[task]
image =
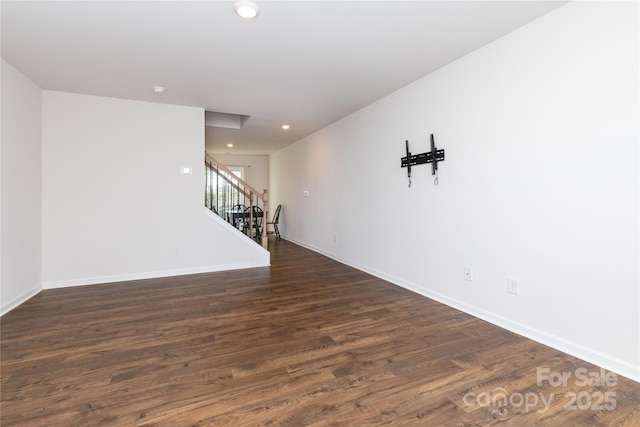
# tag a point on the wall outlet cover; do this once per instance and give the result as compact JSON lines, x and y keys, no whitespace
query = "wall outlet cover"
{"x":513,"y":286}
{"x":468,"y":273}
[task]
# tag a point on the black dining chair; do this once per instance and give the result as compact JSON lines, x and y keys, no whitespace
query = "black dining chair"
{"x":258,"y":215}
{"x":236,"y":216}
{"x":274,"y":223}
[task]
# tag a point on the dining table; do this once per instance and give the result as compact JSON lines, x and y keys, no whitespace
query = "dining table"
{"x":238,"y":218}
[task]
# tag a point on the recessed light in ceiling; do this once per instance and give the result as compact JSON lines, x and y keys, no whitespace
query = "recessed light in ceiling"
{"x":229,"y":145}
{"x":246,"y":9}
{"x":286,"y":127}
{"x":158,"y":89}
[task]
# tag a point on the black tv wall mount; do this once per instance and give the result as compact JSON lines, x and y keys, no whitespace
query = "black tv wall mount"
{"x":434,"y":156}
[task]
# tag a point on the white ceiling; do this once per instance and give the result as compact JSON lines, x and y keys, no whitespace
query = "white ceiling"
{"x":305,"y":63}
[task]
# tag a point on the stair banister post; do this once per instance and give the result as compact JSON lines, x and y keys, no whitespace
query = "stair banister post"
{"x":251,"y":215}
{"x":265,"y":204}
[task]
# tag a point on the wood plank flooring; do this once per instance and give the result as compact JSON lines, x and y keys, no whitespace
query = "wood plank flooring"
{"x":306,"y":342}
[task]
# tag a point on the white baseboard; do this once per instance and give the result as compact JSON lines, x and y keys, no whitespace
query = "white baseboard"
{"x":262,"y":259}
{"x":148,"y":275}
{"x":17,"y":301}
{"x":587,"y":354}
{"x":608,"y":362}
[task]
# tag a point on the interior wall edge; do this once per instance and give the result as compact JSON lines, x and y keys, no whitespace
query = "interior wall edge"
{"x":5,"y":308}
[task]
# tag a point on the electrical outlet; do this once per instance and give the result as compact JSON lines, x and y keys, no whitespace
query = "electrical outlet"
{"x":468,"y":273}
{"x":335,"y":238}
{"x":513,"y":286}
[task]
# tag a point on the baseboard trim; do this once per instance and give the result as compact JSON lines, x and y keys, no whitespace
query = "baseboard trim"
{"x":262,"y":259}
{"x":148,"y":275}
{"x":587,"y":354}
{"x":17,"y":301}
{"x":613,"y":364}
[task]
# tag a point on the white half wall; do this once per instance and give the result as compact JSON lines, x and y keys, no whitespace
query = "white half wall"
{"x":21,"y":193}
{"x":115,"y":203}
{"x":540,"y":183}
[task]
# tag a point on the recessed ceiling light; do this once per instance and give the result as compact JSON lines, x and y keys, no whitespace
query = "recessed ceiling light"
{"x":285,"y":127}
{"x":229,"y":145}
{"x":246,"y":9}
{"x":158,"y":89}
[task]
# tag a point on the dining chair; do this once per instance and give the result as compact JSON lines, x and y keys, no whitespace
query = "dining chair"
{"x":236,"y":216}
{"x":274,"y":223}
{"x":248,"y":229}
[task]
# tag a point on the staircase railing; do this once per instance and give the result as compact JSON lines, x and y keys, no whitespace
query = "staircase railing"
{"x":226,"y":194}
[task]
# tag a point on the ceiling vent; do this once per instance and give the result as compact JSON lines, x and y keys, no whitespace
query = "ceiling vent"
{"x":224,"y":120}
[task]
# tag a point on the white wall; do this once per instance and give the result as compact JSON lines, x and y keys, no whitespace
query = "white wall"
{"x":115,"y":205}
{"x":21,"y":191}
{"x":540,"y":183}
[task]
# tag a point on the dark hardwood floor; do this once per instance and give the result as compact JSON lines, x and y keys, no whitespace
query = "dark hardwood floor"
{"x":308,"y":341}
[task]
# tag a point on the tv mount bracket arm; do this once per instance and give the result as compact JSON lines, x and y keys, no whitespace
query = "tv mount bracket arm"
{"x":434,"y":156}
